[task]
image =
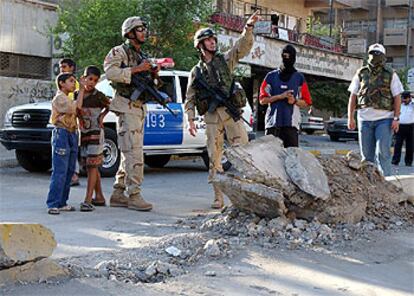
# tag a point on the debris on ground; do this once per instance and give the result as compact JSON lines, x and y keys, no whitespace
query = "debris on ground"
{"x":272,"y":181}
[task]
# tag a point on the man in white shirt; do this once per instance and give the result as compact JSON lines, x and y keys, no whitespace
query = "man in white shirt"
{"x":406,"y":131}
{"x":375,"y":92}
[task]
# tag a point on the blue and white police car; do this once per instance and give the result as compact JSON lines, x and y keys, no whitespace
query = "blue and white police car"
{"x":27,"y":130}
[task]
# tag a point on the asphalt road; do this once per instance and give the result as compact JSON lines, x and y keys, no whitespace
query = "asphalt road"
{"x":378,"y":267}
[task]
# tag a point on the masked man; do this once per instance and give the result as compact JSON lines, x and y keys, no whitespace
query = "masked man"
{"x":285,"y":91}
{"x":375,"y":92}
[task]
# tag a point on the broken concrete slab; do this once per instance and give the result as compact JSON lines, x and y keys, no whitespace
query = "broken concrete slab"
{"x":42,"y":270}
{"x":306,"y":172}
{"x":22,"y":242}
{"x":250,"y":196}
{"x":262,"y":161}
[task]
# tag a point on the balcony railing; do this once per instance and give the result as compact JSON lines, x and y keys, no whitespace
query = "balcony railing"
{"x":236,"y":23}
{"x":397,"y":2}
{"x":395,"y":36}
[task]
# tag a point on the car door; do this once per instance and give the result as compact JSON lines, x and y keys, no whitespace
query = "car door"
{"x":161,"y":127}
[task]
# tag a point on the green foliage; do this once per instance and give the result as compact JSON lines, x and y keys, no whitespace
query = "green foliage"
{"x":330,"y":96}
{"x":316,"y":28}
{"x":94,"y":27}
{"x":402,"y":74}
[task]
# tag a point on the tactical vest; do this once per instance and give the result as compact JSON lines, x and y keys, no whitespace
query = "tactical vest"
{"x":375,"y":89}
{"x":217,"y":74}
{"x":134,"y":59}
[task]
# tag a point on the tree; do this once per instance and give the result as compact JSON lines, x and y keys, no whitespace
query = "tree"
{"x":330,"y":96}
{"x":94,"y":27}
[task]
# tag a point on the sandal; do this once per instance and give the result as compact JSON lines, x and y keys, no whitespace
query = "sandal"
{"x":86,"y":207}
{"x":53,"y":211}
{"x":67,"y":208}
{"x":99,"y":203}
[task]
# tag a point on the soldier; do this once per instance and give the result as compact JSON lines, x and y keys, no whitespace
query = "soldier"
{"x":120,"y":63}
{"x":376,"y":93}
{"x":216,"y":68}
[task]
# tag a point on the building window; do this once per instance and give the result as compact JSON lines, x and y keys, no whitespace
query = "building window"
{"x":24,"y":66}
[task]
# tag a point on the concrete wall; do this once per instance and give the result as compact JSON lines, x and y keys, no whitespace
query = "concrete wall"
{"x":24,"y":27}
{"x":17,"y":91}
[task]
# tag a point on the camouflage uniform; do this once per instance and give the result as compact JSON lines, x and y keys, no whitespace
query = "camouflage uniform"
{"x":131,"y":116}
{"x":218,"y":73}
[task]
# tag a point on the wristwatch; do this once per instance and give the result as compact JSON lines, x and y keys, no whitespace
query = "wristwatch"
{"x":396,"y":118}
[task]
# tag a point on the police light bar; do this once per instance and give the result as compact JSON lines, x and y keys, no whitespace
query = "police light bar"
{"x":165,"y":63}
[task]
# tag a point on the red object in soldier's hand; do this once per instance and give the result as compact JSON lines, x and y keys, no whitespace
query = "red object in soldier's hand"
{"x":165,"y":63}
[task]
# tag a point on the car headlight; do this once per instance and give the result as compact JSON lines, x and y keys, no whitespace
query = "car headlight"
{"x":8,"y":118}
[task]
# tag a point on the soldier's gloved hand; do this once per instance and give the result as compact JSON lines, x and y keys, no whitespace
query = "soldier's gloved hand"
{"x":192,"y":128}
{"x":145,"y":66}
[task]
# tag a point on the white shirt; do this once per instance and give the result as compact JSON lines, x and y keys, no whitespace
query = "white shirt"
{"x":371,"y":114}
{"x":407,"y":113}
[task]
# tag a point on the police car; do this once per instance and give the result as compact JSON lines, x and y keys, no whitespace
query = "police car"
{"x":27,"y":130}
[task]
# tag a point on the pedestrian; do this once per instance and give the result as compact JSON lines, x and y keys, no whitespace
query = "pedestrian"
{"x":216,"y":68}
{"x":121,"y":62}
{"x":285,"y":91}
{"x":67,"y":65}
{"x":94,"y":108}
{"x":375,"y":92}
{"x":64,"y":142}
{"x":406,"y":131}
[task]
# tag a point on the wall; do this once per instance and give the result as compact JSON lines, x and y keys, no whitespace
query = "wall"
{"x":17,"y":91}
{"x":24,"y":27}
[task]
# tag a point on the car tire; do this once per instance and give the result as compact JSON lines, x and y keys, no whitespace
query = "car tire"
{"x":34,"y":161}
{"x":111,"y":154}
{"x":157,"y":161}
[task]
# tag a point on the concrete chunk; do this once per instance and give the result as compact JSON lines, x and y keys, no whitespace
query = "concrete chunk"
{"x":307,"y":173}
{"x":38,"y":271}
{"x":20,"y":243}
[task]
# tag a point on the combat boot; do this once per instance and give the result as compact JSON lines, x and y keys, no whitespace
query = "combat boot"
{"x":218,"y":198}
{"x":136,"y":202}
{"x":118,"y":199}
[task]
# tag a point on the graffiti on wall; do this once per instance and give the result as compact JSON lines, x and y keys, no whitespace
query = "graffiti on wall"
{"x":40,"y":91}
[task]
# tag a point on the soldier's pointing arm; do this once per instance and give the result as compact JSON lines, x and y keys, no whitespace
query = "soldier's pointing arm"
{"x":243,"y":45}
{"x":112,"y":66}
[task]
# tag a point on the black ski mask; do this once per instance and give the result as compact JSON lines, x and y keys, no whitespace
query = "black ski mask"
{"x":288,"y":59}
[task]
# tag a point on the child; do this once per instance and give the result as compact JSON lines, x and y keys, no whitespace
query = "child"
{"x":64,"y":143}
{"x":94,"y":108}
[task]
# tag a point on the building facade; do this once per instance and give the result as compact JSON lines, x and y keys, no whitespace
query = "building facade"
{"x":25,"y":52}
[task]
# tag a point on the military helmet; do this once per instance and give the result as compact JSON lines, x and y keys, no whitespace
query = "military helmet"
{"x":130,"y":23}
{"x":202,"y":34}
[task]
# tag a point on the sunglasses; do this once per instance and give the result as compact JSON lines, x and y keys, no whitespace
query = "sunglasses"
{"x":376,"y":52}
{"x":140,"y":28}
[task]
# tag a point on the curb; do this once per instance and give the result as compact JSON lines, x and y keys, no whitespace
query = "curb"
{"x":329,"y":151}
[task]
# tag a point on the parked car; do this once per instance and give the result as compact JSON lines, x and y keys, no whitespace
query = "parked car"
{"x":309,"y":123}
{"x":337,"y":128}
{"x":27,"y":130}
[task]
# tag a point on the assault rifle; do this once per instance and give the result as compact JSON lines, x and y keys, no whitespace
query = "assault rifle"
{"x":216,"y":97}
{"x":143,"y":82}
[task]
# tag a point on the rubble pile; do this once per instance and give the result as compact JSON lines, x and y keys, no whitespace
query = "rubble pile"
{"x":271,"y":181}
{"x":170,"y":257}
{"x":241,"y":228}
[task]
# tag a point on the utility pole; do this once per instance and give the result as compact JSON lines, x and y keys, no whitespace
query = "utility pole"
{"x":408,"y":48}
{"x":379,"y":21}
{"x":330,"y":16}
